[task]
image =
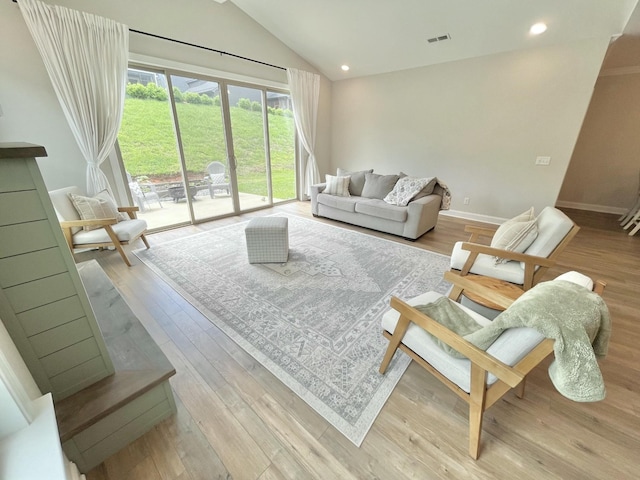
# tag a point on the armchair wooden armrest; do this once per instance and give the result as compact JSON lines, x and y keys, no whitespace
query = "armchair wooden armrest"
{"x":530,"y":261}
{"x":467,"y":284}
{"x":101,"y":222}
{"x":131,"y":211}
{"x":477,"y":232}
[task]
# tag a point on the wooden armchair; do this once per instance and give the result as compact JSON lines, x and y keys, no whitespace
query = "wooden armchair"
{"x":105,"y":232}
{"x":526,"y":269}
{"x":483,"y":377}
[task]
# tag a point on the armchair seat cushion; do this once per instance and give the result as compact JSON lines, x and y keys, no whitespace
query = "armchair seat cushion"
{"x":510,"y":347}
{"x":486,"y":265}
{"x":126,"y":230}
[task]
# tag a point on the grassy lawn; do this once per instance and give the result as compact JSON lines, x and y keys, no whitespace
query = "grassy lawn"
{"x":148,"y":145}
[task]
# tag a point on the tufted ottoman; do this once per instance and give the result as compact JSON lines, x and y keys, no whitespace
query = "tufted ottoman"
{"x":267,"y":240}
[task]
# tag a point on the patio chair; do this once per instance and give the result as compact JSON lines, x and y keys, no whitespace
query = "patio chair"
{"x":101,"y":223}
{"x":141,"y":198}
{"x":482,"y":377}
{"x":216,"y":178}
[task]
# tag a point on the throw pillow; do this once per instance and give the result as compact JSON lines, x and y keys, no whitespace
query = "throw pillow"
{"x":515,"y":235}
{"x":405,"y":189}
{"x":428,"y":188}
{"x":357,"y":180}
{"x":101,"y":205}
{"x":378,"y":186}
{"x":337,"y":186}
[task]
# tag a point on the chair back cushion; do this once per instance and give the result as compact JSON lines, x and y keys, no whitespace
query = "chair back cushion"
{"x":553,"y":226}
{"x":65,"y":210}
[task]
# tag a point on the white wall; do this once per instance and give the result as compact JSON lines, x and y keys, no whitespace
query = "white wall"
{"x":477,"y":124}
{"x":604,"y":168}
{"x":17,"y":387}
{"x":31,"y":110}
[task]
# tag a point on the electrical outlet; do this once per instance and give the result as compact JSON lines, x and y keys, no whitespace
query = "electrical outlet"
{"x":543,"y":160}
{"x":466,"y":200}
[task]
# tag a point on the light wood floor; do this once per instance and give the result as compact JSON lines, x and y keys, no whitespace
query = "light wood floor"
{"x":236,"y":420}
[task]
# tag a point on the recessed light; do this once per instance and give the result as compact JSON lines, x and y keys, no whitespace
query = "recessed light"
{"x":345,"y":68}
{"x":538,"y":28}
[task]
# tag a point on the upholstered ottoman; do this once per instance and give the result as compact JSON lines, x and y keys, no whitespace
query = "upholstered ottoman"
{"x":267,"y":240}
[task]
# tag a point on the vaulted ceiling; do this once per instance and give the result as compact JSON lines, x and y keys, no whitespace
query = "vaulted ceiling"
{"x":374,"y":36}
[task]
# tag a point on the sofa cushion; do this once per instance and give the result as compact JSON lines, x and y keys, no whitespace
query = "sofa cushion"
{"x":381,"y":209}
{"x":357,"y":180}
{"x":516,"y":234}
{"x":348,"y":204}
{"x":337,"y":186}
{"x":405,"y":189}
{"x":378,"y":186}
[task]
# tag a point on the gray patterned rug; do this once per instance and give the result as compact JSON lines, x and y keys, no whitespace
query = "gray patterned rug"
{"x":314,"y":322}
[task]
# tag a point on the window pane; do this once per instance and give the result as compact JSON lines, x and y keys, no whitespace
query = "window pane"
{"x":203,"y":142}
{"x":282,"y":146}
{"x":149,"y":150}
{"x":247,"y":127}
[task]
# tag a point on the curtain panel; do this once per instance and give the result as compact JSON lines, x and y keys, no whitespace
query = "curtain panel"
{"x":86,"y":57}
{"x":305,"y":91}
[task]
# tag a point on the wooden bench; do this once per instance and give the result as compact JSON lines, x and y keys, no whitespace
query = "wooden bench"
{"x":101,"y":419}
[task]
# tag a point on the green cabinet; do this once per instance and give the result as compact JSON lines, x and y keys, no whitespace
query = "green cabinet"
{"x":43,"y":303}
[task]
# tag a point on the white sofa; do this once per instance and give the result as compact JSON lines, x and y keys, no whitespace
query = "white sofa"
{"x":412,"y":221}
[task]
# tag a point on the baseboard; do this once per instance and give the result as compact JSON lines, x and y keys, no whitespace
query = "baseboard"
{"x":591,"y":207}
{"x":473,"y":216}
{"x":499,"y":220}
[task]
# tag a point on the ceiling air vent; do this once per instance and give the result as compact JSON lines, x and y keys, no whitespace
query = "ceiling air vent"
{"x":439,"y":38}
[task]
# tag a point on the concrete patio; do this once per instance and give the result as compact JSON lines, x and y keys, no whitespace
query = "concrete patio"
{"x":168,"y":212}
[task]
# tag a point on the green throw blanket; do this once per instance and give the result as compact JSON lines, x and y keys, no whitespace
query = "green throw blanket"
{"x":576,"y":318}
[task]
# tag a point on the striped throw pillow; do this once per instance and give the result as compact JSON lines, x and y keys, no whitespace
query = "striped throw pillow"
{"x":338,"y":186}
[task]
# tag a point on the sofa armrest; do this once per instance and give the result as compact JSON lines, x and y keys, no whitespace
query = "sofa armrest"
{"x":315,"y":190}
{"x":422,"y":215}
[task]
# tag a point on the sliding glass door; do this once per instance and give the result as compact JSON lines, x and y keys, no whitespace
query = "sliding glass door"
{"x":249,"y":150}
{"x":198,"y":148}
{"x":201,"y":134}
{"x":149,"y":150}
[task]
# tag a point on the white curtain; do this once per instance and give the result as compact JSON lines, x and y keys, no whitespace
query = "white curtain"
{"x":86,"y":57}
{"x":305,"y":91}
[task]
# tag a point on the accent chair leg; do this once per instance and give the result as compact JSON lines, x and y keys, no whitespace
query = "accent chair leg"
{"x":144,"y":239}
{"x":476,"y":408}
{"x":394,"y":342}
{"x":520,"y":388}
{"x":117,"y":244}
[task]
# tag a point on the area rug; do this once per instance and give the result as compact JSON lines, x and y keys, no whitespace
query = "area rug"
{"x":314,"y":322}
